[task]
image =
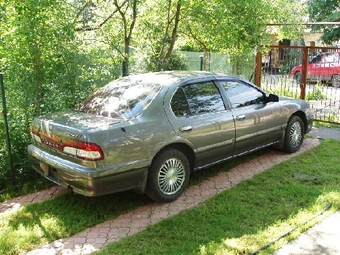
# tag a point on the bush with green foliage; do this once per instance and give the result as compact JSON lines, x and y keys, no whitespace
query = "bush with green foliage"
{"x":145,"y":63}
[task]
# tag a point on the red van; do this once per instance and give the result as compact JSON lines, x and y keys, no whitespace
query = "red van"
{"x":324,"y":67}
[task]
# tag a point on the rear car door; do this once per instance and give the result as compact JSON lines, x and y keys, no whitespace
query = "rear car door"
{"x":199,"y":115}
{"x":257,"y":123}
{"x":327,"y":66}
{"x":333,"y":67}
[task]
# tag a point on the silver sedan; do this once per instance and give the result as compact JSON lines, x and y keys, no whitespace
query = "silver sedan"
{"x":149,"y":132}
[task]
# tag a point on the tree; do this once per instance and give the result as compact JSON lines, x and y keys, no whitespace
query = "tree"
{"x":37,"y":38}
{"x":54,"y":52}
{"x":38,"y":57}
{"x":239,"y":26}
{"x":113,"y":22}
{"x":157,"y":31}
{"x":325,"y":11}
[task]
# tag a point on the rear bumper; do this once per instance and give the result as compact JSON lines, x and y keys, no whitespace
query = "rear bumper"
{"x":86,"y":180}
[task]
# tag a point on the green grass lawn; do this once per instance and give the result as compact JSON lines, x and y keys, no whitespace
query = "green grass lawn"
{"x":239,"y":220}
{"x":250,"y":215}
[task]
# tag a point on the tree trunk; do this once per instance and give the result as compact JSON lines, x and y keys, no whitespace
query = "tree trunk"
{"x":38,"y":85}
{"x":174,"y":30}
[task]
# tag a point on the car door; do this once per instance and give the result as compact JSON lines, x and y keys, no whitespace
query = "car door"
{"x":333,"y":67}
{"x":327,"y":66}
{"x":336,"y":64}
{"x":257,"y":123}
{"x":313,"y":68}
{"x":199,"y":115}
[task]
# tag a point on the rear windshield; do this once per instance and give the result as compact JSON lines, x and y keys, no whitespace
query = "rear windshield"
{"x":124,"y":98}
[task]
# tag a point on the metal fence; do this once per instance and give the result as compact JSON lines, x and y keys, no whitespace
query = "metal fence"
{"x":272,"y":71}
{"x":217,"y":62}
{"x":309,"y":73}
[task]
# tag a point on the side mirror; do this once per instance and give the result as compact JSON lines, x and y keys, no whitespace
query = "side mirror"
{"x":272,"y":98}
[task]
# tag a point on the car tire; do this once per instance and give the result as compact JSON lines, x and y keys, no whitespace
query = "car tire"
{"x":297,"y":77}
{"x":336,"y":81}
{"x":294,"y":135}
{"x":168,"y":176}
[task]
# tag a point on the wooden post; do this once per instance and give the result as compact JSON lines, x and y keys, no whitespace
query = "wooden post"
{"x":304,"y":73}
{"x":258,"y":69}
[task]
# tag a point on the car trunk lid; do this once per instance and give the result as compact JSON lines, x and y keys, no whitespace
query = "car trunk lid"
{"x":65,"y":132}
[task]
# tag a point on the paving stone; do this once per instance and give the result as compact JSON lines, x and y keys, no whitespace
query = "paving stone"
{"x":15,"y":203}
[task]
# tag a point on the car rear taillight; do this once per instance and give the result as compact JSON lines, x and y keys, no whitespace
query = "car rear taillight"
{"x":88,"y":151}
{"x":82,"y":150}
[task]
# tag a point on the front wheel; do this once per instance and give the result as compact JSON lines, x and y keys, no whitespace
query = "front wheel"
{"x":297,"y":77}
{"x":168,"y":176}
{"x":293,"y":135}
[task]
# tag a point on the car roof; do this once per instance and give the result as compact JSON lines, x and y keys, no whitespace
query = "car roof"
{"x":168,"y":78}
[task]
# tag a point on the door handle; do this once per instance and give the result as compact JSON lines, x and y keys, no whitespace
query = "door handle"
{"x":241,"y":117}
{"x":185,"y":129}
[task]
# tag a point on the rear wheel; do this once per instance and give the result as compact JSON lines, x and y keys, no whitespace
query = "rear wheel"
{"x":168,"y":176}
{"x":336,"y":81}
{"x":294,"y":135}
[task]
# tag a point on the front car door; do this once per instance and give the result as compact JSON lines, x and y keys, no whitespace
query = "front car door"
{"x":257,"y":123}
{"x":314,"y":67}
{"x":199,"y":115}
{"x":327,"y":66}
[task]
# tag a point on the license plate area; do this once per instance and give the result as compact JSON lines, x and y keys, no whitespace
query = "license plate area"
{"x":45,"y":168}
{"x":50,"y":173}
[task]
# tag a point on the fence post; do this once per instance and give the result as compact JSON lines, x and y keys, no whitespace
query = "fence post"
{"x":4,"y":112}
{"x":303,"y":81}
{"x":201,"y":63}
{"x":207,"y":59}
{"x":258,"y":69}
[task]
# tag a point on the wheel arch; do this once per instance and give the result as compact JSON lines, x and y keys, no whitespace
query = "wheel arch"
{"x":335,"y":74}
{"x":335,"y":83}
{"x":303,"y":117}
{"x":296,"y":72}
{"x":182,"y":147}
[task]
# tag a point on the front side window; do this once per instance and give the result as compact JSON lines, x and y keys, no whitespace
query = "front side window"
{"x":316,"y":59}
{"x":198,"y":98}
{"x":241,"y":94}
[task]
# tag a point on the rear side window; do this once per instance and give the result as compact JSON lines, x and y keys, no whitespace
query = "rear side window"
{"x":331,"y":58}
{"x":197,"y":98}
{"x":124,"y":98}
{"x":179,"y":104}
